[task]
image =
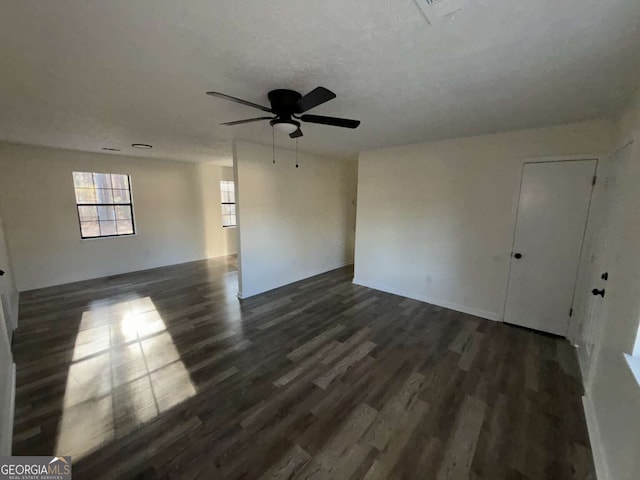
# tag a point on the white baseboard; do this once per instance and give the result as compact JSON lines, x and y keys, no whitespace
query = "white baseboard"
{"x":433,"y":301}
{"x":599,"y":457}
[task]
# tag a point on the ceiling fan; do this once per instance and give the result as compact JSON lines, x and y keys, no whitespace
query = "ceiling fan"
{"x":287,"y":105}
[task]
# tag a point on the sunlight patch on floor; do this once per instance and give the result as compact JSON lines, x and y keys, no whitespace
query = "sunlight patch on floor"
{"x":125,"y":371}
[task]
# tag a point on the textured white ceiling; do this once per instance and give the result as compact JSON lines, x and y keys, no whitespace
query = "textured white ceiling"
{"x":86,"y":74}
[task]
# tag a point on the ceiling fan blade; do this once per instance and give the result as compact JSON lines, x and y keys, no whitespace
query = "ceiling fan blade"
{"x":296,"y":134}
{"x":336,"y":122}
{"x":240,"y":101}
{"x":248,"y":120}
{"x":315,"y":97}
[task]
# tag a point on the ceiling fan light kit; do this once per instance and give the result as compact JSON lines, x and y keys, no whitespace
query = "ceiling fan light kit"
{"x":285,"y":126}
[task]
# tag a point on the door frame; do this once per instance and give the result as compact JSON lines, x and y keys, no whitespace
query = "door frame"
{"x":515,"y":204}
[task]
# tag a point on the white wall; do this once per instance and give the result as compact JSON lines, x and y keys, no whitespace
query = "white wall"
{"x":609,"y":327}
{"x":219,"y":241}
{"x":41,"y":225}
{"x":435,"y":220}
{"x":294,"y":222}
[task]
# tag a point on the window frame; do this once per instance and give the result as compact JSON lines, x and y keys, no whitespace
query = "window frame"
{"x":235,"y":215}
{"x":130,"y":205}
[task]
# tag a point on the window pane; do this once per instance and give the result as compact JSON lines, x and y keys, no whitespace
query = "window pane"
{"x":106,"y":213}
{"x":228,"y":220}
{"x":88,"y":214}
{"x":121,"y":196}
{"x":104,"y":196}
{"x":83,"y":179}
{"x":125,"y":227}
{"x":227,"y":189}
{"x":90,"y":229}
{"x":85,"y":195}
{"x":108,"y":228}
{"x":102,"y":180}
{"x":120,"y":181}
{"x":123,"y":213}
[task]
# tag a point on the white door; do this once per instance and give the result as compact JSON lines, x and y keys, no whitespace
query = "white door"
{"x":552,"y":215}
{"x":8,"y":320}
{"x":8,"y":292}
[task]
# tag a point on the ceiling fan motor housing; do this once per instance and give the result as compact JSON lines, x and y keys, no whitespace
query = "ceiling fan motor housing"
{"x":284,"y":103}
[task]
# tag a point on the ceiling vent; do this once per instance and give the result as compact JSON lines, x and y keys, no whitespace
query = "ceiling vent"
{"x":441,"y":10}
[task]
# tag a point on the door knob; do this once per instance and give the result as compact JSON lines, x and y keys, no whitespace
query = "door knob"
{"x":517,"y":255}
{"x":595,"y":291}
{"x":1,"y":272}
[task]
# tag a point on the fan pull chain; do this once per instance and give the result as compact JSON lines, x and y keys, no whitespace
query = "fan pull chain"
{"x":273,"y":143}
{"x":296,"y":153}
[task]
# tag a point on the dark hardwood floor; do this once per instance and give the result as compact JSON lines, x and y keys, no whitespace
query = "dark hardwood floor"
{"x":165,"y":374}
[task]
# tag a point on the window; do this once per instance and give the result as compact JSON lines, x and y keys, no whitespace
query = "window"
{"x":228,"y":194}
{"x":634,"y":360}
{"x":104,"y":204}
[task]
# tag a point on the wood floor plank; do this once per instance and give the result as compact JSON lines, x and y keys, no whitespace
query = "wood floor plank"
{"x":384,"y":465}
{"x":390,"y":416}
{"x":302,"y":366}
{"x":352,"y":341}
{"x":463,"y":336}
{"x":314,"y":343}
{"x":461,"y":447}
{"x":343,"y":365}
{"x":288,"y":466}
{"x":470,"y":351}
{"x":347,"y":435}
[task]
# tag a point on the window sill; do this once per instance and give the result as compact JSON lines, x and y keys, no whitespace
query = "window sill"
{"x":92,"y":239}
{"x":634,"y":365}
